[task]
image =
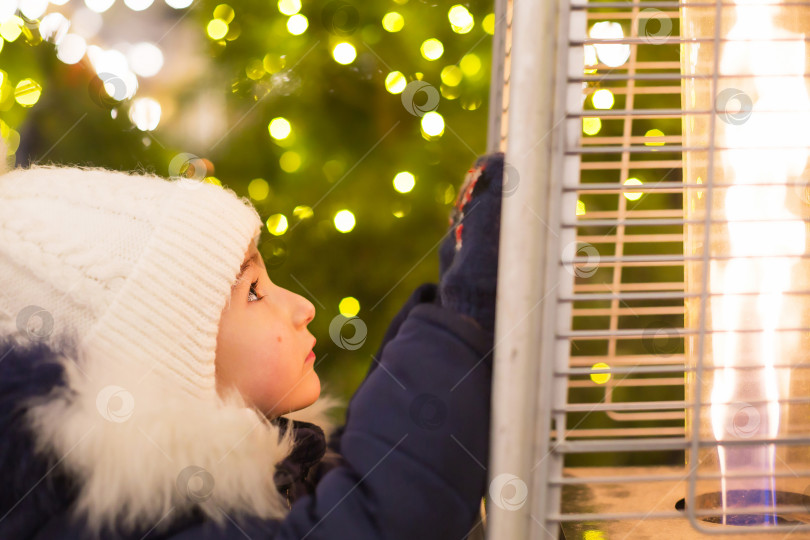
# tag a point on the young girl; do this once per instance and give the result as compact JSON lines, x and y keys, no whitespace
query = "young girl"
{"x":155,"y":383}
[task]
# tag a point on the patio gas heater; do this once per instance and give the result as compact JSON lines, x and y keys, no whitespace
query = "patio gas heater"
{"x":653,"y":324}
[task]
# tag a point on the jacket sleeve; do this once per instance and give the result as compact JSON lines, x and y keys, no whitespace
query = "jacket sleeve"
{"x":415,"y":443}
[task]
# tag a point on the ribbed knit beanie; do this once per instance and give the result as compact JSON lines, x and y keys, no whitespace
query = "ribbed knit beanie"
{"x":135,"y":267}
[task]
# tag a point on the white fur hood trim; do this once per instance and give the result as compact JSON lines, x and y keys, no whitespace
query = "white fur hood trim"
{"x":140,"y":453}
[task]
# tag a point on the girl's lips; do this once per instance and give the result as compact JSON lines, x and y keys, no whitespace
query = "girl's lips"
{"x":311,"y":356}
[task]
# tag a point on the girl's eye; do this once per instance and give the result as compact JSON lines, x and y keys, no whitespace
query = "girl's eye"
{"x":253,"y":292}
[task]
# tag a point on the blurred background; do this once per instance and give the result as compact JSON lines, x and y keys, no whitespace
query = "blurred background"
{"x":349,"y":125}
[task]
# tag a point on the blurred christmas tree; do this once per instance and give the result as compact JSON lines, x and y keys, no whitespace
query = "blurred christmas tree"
{"x":348,"y":124}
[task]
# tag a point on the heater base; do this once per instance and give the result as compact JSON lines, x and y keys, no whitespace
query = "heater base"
{"x":648,"y":497}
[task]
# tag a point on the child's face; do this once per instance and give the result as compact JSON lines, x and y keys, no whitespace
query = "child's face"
{"x":263,"y":343}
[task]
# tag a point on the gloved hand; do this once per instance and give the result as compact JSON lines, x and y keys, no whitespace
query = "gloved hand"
{"x":468,"y":255}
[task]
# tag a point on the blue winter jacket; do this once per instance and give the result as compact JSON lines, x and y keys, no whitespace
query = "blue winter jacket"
{"x":408,"y":463}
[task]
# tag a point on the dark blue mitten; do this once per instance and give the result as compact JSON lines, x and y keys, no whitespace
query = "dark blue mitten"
{"x":468,"y":256}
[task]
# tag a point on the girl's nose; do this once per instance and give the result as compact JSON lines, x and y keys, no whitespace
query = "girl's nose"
{"x":305,"y":311}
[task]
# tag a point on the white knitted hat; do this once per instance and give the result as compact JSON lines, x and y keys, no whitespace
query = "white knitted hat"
{"x":137,"y":267}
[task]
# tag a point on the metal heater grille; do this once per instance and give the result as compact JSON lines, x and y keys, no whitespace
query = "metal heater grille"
{"x":624,"y":442}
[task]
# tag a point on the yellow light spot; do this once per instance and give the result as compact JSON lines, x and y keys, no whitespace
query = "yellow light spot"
{"x":432,"y":49}
{"x":279,"y":128}
{"x":395,"y":82}
{"x":404,"y":182}
{"x":633,"y":195}
{"x":600,"y":378}
{"x":11,"y":28}
{"x":297,"y":24}
{"x":591,"y":126}
{"x":449,"y":194}
{"x":303,"y":212}
{"x":580,"y":208}
{"x":224,"y":12}
{"x":700,"y":192}
{"x":451,"y":75}
{"x":11,"y":137}
{"x":470,"y":64}
{"x":276,"y":224}
{"x":27,"y":92}
{"x":254,"y":69}
{"x":488,"y":24}
{"x":290,"y":161}
{"x":449,"y":92}
{"x":289,"y":7}
{"x":593,"y":535}
{"x":212,"y":180}
{"x":393,"y":21}
{"x":602,"y":99}
{"x":433,"y":124}
{"x":258,"y":189}
{"x":654,"y":133}
{"x":470,"y":102}
{"x":344,"y":221}
{"x":400,"y":209}
{"x":217,"y":29}
{"x":273,"y":63}
{"x":349,"y":306}
{"x":344,"y":53}
{"x":461,"y":20}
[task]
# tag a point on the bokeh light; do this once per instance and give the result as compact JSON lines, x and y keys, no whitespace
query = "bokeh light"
{"x":470,"y":64}
{"x":611,"y":54}
{"x":404,"y":182}
{"x":146,"y":59}
{"x":179,"y":4}
{"x":654,"y":133}
{"x":302,"y":212}
{"x":258,"y":189}
{"x":144,"y":112}
{"x":11,"y":28}
{"x":71,"y":49}
{"x":432,"y":49}
{"x":633,"y":195}
{"x":580,"y":208}
{"x":27,"y":92}
{"x":344,"y":53}
{"x":461,"y":20}
{"x":290,"y":161}
{"x":289,"y":7}
{"x":451,"y":75}
{"x":488,"y":24}
{"x":216,"y":29}
{"x":591,"y":125}
{"x":99,"y":6}
{"x":279,"y":128}
{"x":349,"y":306}
{"x":602,"y":99}
{"x":297,"y":24}
{"x":276,"y":224}
{"x":224,"y":12}
{"x":53,"y":27}
{"x":344,"y":221}
{"x":33,"y":9}
{"x":433,"y":124}
{"x":395,"y":82}
{"x":138,"y":5}
{"x":393,"y":21}
{"x":600,"y":378}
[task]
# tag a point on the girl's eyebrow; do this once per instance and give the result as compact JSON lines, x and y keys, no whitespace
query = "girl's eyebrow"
{"x":253,"y":260}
